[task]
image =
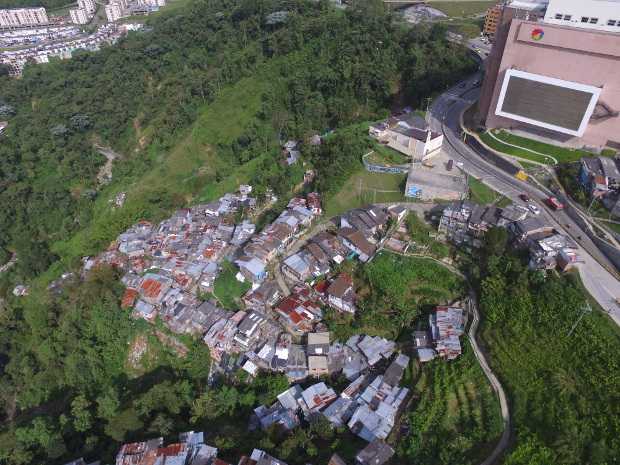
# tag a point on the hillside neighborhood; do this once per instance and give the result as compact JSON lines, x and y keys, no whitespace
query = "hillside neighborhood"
{"x":291,"y":270}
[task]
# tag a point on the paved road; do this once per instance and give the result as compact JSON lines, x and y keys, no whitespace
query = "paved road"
{"x":595,"y":269}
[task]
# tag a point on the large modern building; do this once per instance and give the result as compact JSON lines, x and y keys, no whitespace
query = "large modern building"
{"x":598,"y":15}
{"x":18,"y":17}
{"x":526,"y":9}
{"x":88,"y":5}
{"x":557,"y":78}
{"x":492,"y":19}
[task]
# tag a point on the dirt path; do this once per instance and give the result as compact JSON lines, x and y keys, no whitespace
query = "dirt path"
{"x":105,"y":172}
{"x":8,"y":264}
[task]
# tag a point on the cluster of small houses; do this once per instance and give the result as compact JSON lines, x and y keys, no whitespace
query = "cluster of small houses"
{"x":168,"y":266}
{"x":465,"y":224}
{"x":368,"y":406}
{"x":600,"y":177}
{"x":191,"y":449}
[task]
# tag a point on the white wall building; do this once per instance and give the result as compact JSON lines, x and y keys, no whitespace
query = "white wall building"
{"x":23,"y":17}
{"x":88,"y":5}
{"x":114,"y":12}
{"x":410,"y":136}
{"x":154,"y":3}
{"x":79,"y":16}
{"x":602,"y":15}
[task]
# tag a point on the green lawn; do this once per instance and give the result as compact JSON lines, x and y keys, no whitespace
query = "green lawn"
{"x":613,"y":226}
{"x":464,"y":8}
{"x":384,"y":155}
{"x":227,"y":289}
{"x":483,"y":194}
{"x":456,"y":418}
{"x":359,"y":190}
{"x":561,"y":154}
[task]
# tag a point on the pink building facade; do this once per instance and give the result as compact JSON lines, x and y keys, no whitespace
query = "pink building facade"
{"x":560,"y":82}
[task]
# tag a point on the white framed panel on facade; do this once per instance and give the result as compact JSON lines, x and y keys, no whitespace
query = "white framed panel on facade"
{"x":546,"y":102}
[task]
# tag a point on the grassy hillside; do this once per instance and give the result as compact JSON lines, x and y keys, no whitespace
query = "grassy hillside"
{"x":197,"y":168}
{"x":562,"y":380}
{"x":455,"y":417}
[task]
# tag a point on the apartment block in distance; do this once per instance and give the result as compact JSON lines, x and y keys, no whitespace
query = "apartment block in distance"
{"x":557,"y":76}
{"x":492,"y":19}
{"x":18,"y":17}
{"x":78,"y":16}
{"x":114,"y":11}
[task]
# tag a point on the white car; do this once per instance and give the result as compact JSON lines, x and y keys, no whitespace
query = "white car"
{"x":533,"y":208}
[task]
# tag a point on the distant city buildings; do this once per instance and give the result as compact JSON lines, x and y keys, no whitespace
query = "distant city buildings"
{"x":491,"y":20}
{"x":87,"y":5}
{"x":15,"y":60}
{"x":79,"y":16}
{"x":84,"y":12}
{"x":114,"y":11}
{"x":19,"y":17}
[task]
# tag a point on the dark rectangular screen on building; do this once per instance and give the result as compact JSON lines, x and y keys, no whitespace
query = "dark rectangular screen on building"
{"x":547,"y":103}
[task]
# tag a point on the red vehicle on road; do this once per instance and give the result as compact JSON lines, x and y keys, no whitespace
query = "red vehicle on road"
{"x":555,"y":203}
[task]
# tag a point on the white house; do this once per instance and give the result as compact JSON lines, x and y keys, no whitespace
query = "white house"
{"x":409,"y":135}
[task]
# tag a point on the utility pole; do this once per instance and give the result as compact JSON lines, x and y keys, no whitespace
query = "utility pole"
{"x":585,"y":309}
{"x":428,"y":117}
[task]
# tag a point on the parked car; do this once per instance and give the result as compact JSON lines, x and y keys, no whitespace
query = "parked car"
{"x":555,"y":203}
{"x":533,"y":208}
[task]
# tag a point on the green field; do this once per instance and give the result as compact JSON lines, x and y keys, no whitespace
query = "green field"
{"x":561,"y":154}
{"x":462,"y":9}
{"x":363,"y":187}
{"x":456,"y":417}
{"x":227,"y":289}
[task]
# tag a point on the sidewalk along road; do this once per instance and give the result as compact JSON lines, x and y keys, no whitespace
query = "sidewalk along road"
{"x":597,"y":273}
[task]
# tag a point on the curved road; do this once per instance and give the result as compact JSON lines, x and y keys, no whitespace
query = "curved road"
{"x":446,"y":118}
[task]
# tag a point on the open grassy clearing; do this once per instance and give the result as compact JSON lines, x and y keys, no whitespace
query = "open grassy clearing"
{"x":363,"y":188}
{"x":422,"y":235}
{"x":383,"y":155}
{"x":227,"y":289}
{"x":481,"y":193}
{"x":456,"y":416}
{"x":462,"y":9}
{"x":392,"y":292}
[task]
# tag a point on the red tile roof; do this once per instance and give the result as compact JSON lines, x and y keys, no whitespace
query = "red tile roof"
{"x":129,"y":297}
{"x":151,"y":288}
